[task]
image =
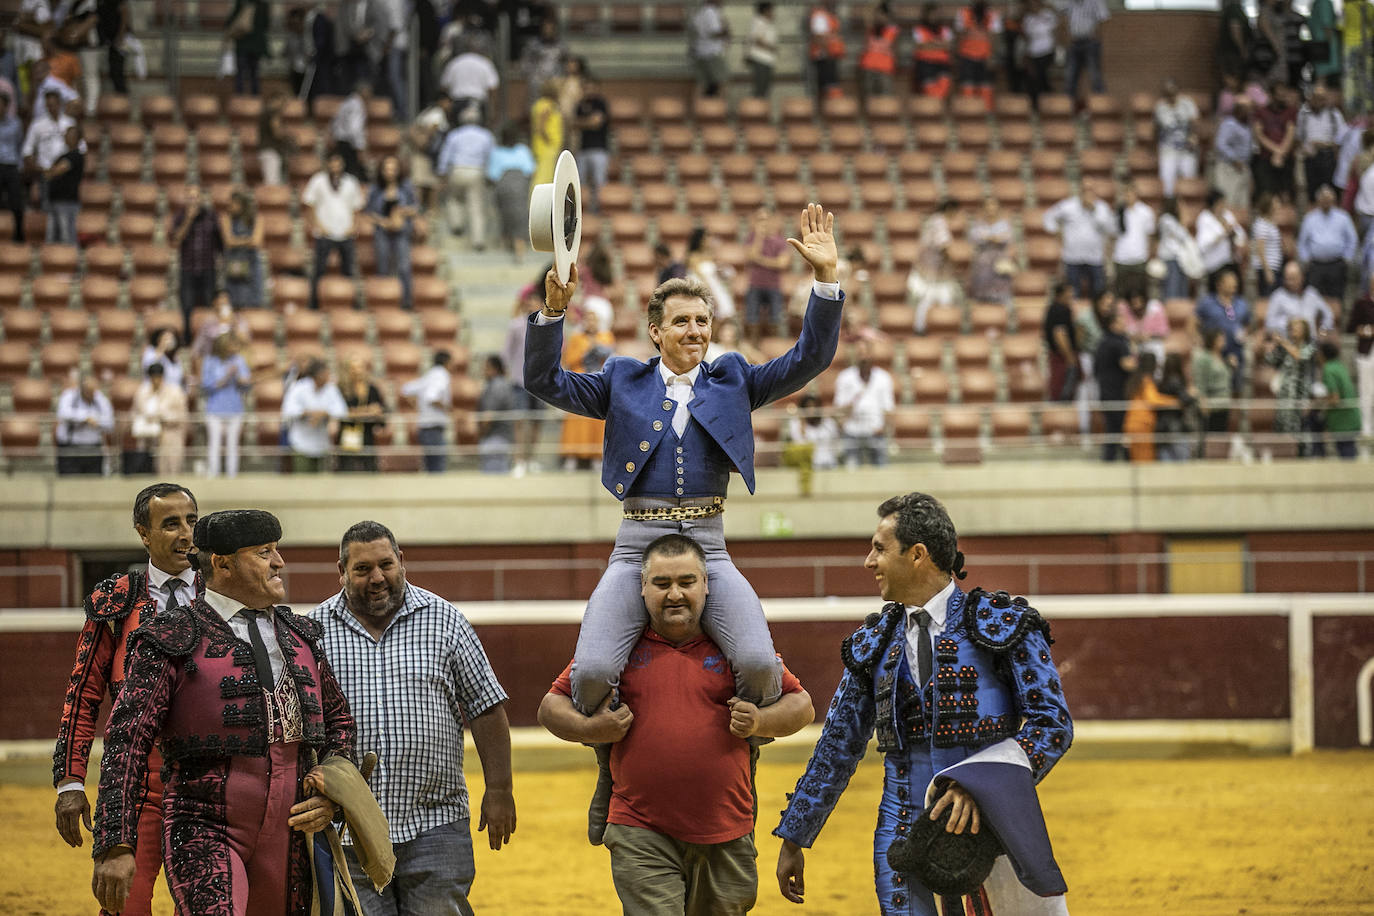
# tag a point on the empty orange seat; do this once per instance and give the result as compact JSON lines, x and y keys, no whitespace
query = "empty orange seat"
{"x":150,"y":260}
{"x":22,"y":324}
{"x":136,"y":229}
{"x":59,"y":358}
{"x":32,"y":395}
{"x":111,"y":356}
{"x":51,"y":291}
{"x":148,"y":291}
{"x":440,"y":326}
{"x":429,"y":292}
{"x":303,"y":325}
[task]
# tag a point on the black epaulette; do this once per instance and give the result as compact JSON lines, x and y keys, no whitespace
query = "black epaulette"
{"x":307,"y":628}
{"x":174,"y":632}
{"x":861,"y":649}
{"x":998,"y":621}
{"x":114,"y":598}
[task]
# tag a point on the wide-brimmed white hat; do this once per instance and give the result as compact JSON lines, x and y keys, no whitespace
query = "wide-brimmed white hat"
{"x":556,"y":215}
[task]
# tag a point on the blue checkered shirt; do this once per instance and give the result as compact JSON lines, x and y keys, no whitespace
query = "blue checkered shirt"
{"x":409,"y":692}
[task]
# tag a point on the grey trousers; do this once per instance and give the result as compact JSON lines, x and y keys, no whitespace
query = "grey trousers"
{"x":616,"y":618}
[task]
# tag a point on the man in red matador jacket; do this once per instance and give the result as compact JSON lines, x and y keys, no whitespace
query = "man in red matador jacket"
{"x":164,"y":515}
{"x":236,"y":689}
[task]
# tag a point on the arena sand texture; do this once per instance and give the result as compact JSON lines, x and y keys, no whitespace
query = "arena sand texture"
{"x":1271,"y":835}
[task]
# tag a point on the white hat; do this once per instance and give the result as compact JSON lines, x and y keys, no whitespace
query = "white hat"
{"x":556,"y":215}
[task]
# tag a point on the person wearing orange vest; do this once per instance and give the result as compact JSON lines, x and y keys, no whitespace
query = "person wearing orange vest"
{"x":826,"y":48}
{"x":878,"y":63}
{"x":932,"y":38}
{"x":976,"y":26}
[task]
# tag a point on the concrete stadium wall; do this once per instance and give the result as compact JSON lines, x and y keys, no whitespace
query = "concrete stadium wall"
{"x":1271,"y":671}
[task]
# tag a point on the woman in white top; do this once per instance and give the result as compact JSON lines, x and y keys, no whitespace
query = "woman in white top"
{"x":162,"y":348}
{"x":1175,"y":247}
{"x":763,"y":50}
{"x":1219,"y":235}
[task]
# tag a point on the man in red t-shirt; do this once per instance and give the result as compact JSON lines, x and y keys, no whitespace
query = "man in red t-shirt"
{"x":681,"y":823}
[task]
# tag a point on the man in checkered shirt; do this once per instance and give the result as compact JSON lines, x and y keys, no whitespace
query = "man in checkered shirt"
{"x":413,"y":669}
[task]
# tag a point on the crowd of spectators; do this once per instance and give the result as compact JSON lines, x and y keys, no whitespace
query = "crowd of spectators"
{"x":1281,"y":249}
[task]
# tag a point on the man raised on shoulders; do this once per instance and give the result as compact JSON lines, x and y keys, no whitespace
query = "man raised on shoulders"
{"x":413,"y":670}
{"x":681,"y":832}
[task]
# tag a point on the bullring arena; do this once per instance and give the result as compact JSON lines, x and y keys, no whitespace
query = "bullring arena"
{"x":1212,"y":616}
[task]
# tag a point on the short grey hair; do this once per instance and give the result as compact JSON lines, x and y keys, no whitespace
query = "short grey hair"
{"x":671,"y":545}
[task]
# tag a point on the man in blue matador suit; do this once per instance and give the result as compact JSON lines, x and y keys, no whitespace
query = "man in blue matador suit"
{"x":965,"y":700}
{"x":676,"y":427}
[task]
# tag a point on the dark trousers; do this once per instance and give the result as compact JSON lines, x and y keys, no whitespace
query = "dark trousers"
{"x":246,"y":74}
{"x":1328,"y":278}
{"x":1218,"y":420}
{"x":1270,"y":178}
{"x":1112,"y":421}
{"x":323,"y":249}
{"x":117,"y":78}
{"x":197,"y":291}
{"x":12,"y":192}
{"x":1319,"y":169}
{"x":1038,"y":78}
{"x":353,"y":163}
{"x":435,"y":449}
{"x":1084,"y":53}
{"x":79,"y":459}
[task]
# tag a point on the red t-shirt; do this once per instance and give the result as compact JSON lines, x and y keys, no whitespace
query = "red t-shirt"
{"x":678,"y":770}
{"x":1274,"y":124}
{"x":761,"y":277}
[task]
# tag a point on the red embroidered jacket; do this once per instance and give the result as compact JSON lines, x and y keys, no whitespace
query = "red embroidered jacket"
{"x":192,"y":686}
{"x":114,"y":609}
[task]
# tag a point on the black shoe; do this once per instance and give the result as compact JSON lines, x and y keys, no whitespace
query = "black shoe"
{"x":600,"y":807}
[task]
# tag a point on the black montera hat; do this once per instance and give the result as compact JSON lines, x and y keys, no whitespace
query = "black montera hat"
{"x":949,"y":864}
{"x":233,"y":529}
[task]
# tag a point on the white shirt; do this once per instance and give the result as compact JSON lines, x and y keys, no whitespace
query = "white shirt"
{"x":393,"y":17}
{"x":303,"y":397}
{"x":469,"y":76}
{"x":46,"y":140}
{"x":1321,"y":128}
{"x":1364,"y":197}
{"x":763,"y":41}
{"x":869,"y":402}
{"x":157,"y":587}
{"x":1083,"y":231}
{"x":73,"y":412}
{"x":1216,"y":237}
{"x":26,"y":48}
{"x":1039,"y":29}
{"x":230,"y":611}
{"x":679,"y":388}
{"x":822,"y":437}
{"x":1175,"y":122}
{"x":334,"y":207}
{"x":1308,"y":305}
{"x":350,"y":122}
{"x":433,"y":392}
{"x":936,"y":608}
{"x":1133,"y":245}
{"x":707,"y":25}
{"x":1270,"y":242}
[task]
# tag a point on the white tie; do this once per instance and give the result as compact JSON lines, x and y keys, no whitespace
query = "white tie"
{"x":680,"y":390}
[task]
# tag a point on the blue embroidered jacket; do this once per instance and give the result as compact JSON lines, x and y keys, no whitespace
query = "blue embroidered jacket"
{"x":993,"y":679}
{"x":631,"y":397}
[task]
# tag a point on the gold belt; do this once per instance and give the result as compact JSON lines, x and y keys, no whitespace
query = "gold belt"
{"x":677,"y":513}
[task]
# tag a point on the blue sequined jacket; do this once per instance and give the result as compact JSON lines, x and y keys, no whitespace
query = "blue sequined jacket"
{"x":993,"y":679}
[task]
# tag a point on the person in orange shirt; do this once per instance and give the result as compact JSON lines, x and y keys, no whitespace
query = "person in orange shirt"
{"x":1146,"y":399}
{"x":826,"y":48}
{"x":976,"y":26}
{"x":932,"y":38}
{"x":586,"y":351}
{"x":878,"y":63}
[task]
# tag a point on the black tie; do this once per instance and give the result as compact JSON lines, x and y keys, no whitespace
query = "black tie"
{"x":261,"y":662}
{"x":173,"y":602}
{"x":923,"y":648}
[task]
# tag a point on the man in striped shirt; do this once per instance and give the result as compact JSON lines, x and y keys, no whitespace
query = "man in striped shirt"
{"x":413,"y":670}
{"x":1085,"y":44}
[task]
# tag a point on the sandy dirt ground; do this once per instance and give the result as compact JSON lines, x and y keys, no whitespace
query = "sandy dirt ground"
{"x":1188,"y":837}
